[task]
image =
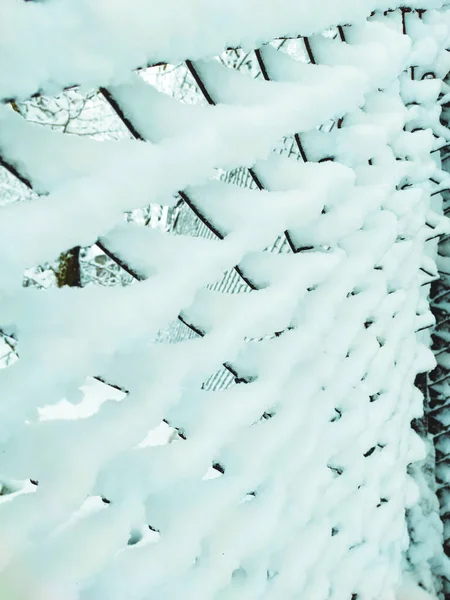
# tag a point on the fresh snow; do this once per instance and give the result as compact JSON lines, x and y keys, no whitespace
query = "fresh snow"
{"x":88,"y":44}
{"x":294,"y":480}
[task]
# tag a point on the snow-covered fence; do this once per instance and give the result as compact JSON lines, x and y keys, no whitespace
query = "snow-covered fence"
{"x":292,"y":481}
{"x":437,"y":384}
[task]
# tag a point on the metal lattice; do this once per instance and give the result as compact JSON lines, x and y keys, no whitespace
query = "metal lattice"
{"x":286,"y":358}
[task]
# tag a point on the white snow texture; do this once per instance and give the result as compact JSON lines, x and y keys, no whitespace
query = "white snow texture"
{"x":292,"y":482}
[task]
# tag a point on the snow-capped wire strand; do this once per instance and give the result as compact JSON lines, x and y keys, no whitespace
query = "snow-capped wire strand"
{"x":139,"y":277}
{"x":203,"y":88}
{"x":266,"y":76}
{"x":183,"y":195}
